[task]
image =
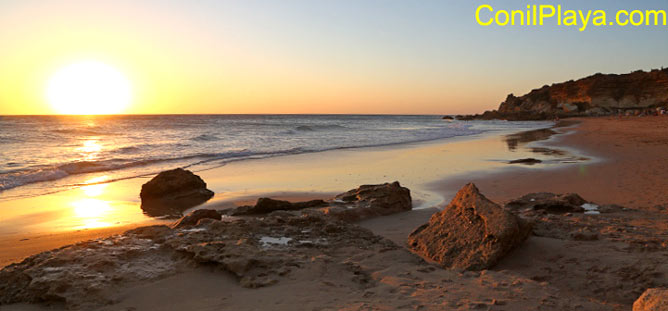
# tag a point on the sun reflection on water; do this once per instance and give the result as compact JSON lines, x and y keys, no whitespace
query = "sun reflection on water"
{"x":90,"y":149}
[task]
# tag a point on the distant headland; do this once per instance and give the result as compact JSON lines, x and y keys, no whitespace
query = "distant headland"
{"x":636,"y":93}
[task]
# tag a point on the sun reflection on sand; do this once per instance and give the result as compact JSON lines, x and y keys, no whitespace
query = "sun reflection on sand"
{"x":91,"y":212}
{"x":95,"y":186}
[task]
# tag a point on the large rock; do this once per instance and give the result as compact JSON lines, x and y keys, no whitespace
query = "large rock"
{"x":471,"y":233}
{"x":549,"y":202}
{"x":653,"y":299}
{"x":371,"y":201}
{"x":172,"y":192}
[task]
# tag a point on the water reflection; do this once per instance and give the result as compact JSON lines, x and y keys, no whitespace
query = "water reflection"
{"x":90,"y":149}
{"x":92,"y":213}
{"x":95,"y":186}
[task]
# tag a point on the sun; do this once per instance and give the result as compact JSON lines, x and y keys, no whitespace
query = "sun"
{"x":88,"y":87}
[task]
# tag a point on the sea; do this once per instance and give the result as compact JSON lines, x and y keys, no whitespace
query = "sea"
{"x":43,"y":154}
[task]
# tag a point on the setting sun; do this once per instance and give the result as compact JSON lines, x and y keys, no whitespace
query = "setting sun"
{"x":88,"y":87}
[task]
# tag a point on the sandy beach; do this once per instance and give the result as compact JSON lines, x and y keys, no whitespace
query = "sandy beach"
{"x":630,"y":171}
{"x":551,"y":270}
{"x":99,"y":210}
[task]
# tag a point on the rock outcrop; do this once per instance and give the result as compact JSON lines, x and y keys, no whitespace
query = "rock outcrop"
{"x":172,"y":192}
{"x":257,"y":251}
{"x":195,"y":216}
{"x":357,"y":204}
{"x":267,"y":205}
{"x":653,"y":299}
{"x":471,"y":233}
{"x":371,"y":201}
{"x":549,"y":202}
{"x":600,"y":94}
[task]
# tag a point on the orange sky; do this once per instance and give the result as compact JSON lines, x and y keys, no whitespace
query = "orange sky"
{"x":296,"y":57}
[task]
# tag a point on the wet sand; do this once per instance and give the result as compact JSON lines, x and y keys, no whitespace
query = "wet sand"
{"x":99,"y":210}
{"x":631,"y":167}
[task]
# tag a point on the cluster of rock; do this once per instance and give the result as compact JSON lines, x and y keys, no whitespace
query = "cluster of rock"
{"x":257,"y":251}
{"x":357,"y":204}
{"x":262,"y":244}
{"x":638,"y":92}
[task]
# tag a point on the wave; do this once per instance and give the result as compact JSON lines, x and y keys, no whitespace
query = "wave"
{"x":205,"y":137}
{"x":96,"y":131}
{"x":16,"y":178}
{"x":319,"y":127}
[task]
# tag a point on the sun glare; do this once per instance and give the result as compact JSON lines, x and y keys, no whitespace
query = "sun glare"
{"x":88,"y":87}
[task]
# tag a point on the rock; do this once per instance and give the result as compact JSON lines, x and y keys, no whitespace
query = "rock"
{"x":370,"y":201}
{"x":267,"y":205}
{"x":584,"y":236}
{"x":611,"y":208}
{"x":600,"y":94}
{"x":172,"y":192}
{"x":549,"y":202}
{"x":527,"y":161}
{"x":195,"y":216}
{"x":471,"y":233}
{"x":653,"y":299}
{"x":257,"y":251}
{"x":448,"y":118}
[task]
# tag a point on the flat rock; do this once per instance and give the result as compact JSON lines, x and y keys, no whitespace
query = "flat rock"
{"x":653,"y":299}
{"x":527,"y":161}
{"x":549,"y":202}
{"x":370,"y":201}
{"x":268,"y":205}
{"x":258,"y":252}
{"x":471,"y":233}
{"x":195,"y":216}
{"x":172,"y":192}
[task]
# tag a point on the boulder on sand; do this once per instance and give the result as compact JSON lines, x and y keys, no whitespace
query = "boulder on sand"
{"x":471,"y":233}
{"x":172,"y":192}
{"x":653,"y":299}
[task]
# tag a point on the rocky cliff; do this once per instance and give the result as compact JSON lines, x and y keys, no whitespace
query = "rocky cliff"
{"x":600,"y":94}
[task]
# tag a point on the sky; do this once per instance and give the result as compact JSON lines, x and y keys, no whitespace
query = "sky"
{"x":310,"y":56}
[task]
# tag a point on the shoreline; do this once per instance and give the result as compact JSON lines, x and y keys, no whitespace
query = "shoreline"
{"x":573,"y":260}
{"x":485,"y":178}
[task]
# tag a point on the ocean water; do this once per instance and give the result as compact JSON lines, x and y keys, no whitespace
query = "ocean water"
{"x":47,"y":153}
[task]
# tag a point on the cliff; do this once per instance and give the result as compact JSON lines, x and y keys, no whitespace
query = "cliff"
{"x":600,"y":94}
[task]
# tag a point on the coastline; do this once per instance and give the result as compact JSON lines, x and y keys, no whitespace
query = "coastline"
{"x":571,"y":261}
{"x":30,"y":226}
{"x":629,"y":169}
{"x":498,"y":180}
